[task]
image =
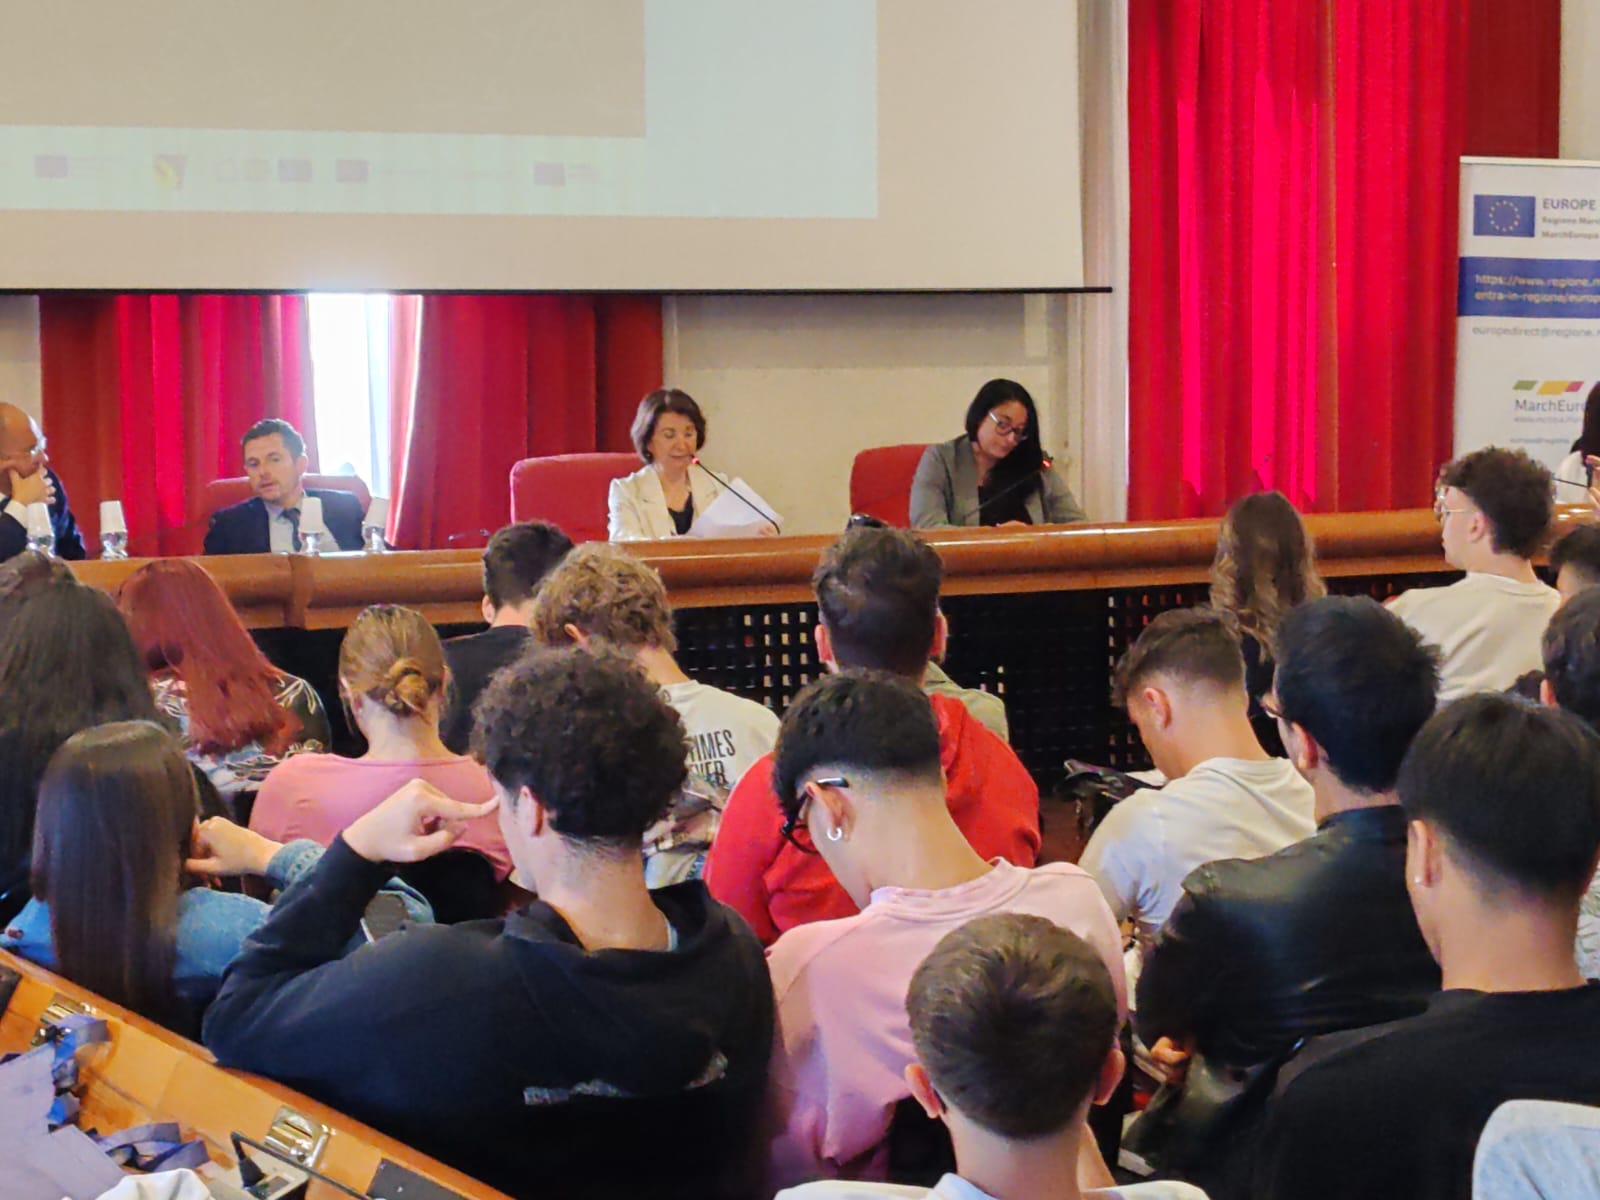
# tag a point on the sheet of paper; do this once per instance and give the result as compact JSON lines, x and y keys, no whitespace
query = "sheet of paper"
{"x":730,"y":517}
{"x":37,"y":1164}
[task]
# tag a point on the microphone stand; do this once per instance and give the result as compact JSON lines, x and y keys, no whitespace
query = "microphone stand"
{"x":745,"y":500}
{"x":1045,"y":463}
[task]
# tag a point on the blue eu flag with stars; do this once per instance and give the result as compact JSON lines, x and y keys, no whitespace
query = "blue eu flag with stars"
{"x":1502,"y":216}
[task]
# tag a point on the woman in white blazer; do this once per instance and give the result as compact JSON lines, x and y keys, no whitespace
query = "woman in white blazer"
{"x":661,"y":498}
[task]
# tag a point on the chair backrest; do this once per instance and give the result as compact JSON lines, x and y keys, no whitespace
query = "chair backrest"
{"x":221,"y":493}
{"x":880,"y":482}
{"x":568,"y":490}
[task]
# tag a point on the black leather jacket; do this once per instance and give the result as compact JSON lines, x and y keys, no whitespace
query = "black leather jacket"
{"x":1261,"y":953}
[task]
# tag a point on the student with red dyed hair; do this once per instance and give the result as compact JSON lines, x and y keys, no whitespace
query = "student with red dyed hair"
{"x":240,"y":715}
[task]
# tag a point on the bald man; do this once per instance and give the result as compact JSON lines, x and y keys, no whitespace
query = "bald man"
{"x":26,"y":478}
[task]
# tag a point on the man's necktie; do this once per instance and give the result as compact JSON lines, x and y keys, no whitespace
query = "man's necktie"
{"x":294,"y":519}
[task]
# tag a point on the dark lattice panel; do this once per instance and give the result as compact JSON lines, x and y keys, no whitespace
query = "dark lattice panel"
{"x":1049,"y":655}
{"x":763,"y":652}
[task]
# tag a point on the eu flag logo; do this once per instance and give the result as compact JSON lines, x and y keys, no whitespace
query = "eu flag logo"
{"x":1502,"y":216}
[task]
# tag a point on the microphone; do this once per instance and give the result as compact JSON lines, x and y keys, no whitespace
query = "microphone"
{"x":1046,"y":461}
{"x":753,"y":507}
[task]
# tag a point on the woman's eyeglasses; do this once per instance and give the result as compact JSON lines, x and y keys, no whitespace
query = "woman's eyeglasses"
{"x":794,"y":829}
{"x":1006,"y":429}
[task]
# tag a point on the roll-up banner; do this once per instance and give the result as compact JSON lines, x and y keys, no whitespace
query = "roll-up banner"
{"x":1528,"y":307}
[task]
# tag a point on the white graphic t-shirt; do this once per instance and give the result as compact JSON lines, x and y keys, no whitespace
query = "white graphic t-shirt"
{"x":726,"y":734}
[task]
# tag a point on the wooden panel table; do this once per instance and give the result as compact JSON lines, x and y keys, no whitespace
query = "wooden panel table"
{"x":1037,"y":615}
{"x":146,"y":1073}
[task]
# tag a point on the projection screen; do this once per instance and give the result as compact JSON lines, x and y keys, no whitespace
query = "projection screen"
{"x":653,"y":145}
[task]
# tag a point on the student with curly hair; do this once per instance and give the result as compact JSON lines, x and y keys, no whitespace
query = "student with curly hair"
{"x":604,"y":1040}
{"x":392,"y":681}
{"x":602,"y":596}
{"x":1494,"y":508}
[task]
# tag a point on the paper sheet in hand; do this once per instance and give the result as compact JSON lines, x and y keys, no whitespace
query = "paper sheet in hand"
{"x":37,"y":1164}
{"x":730,"y":517}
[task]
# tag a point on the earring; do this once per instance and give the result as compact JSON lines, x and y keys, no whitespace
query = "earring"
{"x":836,"y":834}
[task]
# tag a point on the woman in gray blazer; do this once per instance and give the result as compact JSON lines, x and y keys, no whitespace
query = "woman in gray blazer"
{"x":994,"y":474}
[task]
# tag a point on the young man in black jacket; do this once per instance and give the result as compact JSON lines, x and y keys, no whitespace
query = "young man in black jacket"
{"x":1259,"y":954}
{"x":602,"y":1041}
{"x":1502,"y":803}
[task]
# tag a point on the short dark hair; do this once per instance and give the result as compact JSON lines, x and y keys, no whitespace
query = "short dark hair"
{"x":1571,"y":651}
{"x":878,"y":594}
{"x":858,"y":720}
{"x":1578,"y":548}
{"x":1512,"y":490}
{"x":588,"y":735}
{"x":266,"y":427}
{"x":1013,"y":1017}
{"x":665,"y":400}
{"x":1514,"y":788}
{"x":1360,"y":681}
{"x":518,"y":557}
{"x":1199,"y":645}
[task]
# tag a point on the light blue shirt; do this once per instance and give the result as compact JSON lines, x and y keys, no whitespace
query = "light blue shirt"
{"x":280,"y":530}
{"x":212,"y":925}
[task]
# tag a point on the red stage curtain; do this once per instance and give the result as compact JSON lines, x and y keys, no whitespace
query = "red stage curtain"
{"x":146,"y":396}
{"x":1228,"y":221}
{"x":1514,"y":78}
{"x":1293,"y":178}
{"x":1399,"y":117}
{"x":506,"y":377}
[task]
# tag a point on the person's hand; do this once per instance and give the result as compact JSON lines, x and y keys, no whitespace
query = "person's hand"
{"x":33,"y":489}
{"x":220,"y":847}
{"x":415,"y":823}
{"x":767,"y":529}
{"x":1171,"y":1061}
{"x":1012,"y":525}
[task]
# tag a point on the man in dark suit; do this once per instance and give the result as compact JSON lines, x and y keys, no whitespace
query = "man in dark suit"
{"x":269,"y":522}
{"x":26,"y":478}
{"x":515,"y":562}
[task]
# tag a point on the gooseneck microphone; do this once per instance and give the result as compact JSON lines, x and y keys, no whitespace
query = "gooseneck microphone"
{"x":1046,"y":461}
{"x":748,"y":503}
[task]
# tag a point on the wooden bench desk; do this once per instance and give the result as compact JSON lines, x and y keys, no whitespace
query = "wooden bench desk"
{"x":146,"y":1073}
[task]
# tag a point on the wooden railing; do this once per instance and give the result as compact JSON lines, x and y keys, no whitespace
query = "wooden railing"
{"x":145,"y":1073}
{"x":298,"y":592}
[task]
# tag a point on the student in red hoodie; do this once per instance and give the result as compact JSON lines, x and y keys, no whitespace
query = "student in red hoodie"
{"x":878,"y":600}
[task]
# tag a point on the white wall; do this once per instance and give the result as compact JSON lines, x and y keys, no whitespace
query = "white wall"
{"x":794,"y":386}
{"x":1580,"y":79}
{"x":19,"y":352}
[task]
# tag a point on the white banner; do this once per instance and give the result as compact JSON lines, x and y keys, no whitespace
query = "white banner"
{"x":1528,"y":308}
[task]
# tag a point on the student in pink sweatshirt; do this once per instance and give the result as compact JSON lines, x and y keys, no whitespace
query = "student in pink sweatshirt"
{"x":857,"y":772}
{"x":1015,"y":1025}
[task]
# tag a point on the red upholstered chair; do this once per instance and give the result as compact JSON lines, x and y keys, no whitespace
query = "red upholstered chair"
{"x":223,"y":493}
{"x":568,"y":490}
{"x":880,"y":482}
